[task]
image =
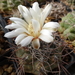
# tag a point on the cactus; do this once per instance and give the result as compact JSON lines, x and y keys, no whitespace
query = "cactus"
{"x":9,"y":4}
{"x":42,"y":61}
{"x":69,"y":33}
{"x":68,"y":26}
{"x":71,"y":2}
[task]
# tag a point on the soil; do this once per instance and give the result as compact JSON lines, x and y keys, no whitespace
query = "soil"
{"x":3,"y":43}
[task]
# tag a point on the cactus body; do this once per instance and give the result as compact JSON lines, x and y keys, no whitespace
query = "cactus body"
{"x":9,"y":4}
{"x":35,"y":67}
{"x":68,"y":24}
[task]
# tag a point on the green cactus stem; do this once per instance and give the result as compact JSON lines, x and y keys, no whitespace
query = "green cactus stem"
{"x":9,"y":4}
{"x":40,"y":61}
{"x":67,"y":26}
{"x":71,"y":2}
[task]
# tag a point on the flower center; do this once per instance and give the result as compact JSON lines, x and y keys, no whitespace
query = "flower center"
{"x":30,"y":29}
{"x":32,"y":32}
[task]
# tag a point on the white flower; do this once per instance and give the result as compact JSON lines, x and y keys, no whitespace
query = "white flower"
{"x":32,"y":27}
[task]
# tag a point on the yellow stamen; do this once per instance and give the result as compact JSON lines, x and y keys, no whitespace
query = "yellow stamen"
{"x":30,"y":29}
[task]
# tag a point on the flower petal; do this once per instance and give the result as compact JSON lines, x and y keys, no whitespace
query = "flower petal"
{"x":25,"y":13}
{"x":22,"y":9}
{"x":22,"y":24}
{"x":45,"y":13}
{"x":27,"y":18}
{"x":17,"y":19}
{"x":36,"y":26}
{"x":13,"y":26}
{"x":9,"y":26}
{"x":21,"y":30}
{"x":46,"y":38}
{"x":34,"y":14}
{"x":19,"y":38}
{"x":46,"y":32}
{"x":11,"y":34}
{"x":36,"y":43}
{"x":36,"y":8}
{"x":26,"y":41}
{"x":16,"y":32}
{"x":51,"y":25}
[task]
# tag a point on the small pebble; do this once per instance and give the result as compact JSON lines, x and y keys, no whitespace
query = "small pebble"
{"x":1,"y":71}
{"x":4,"y":67}
{"x":13,"y":73}
{"x":9,"y":69}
